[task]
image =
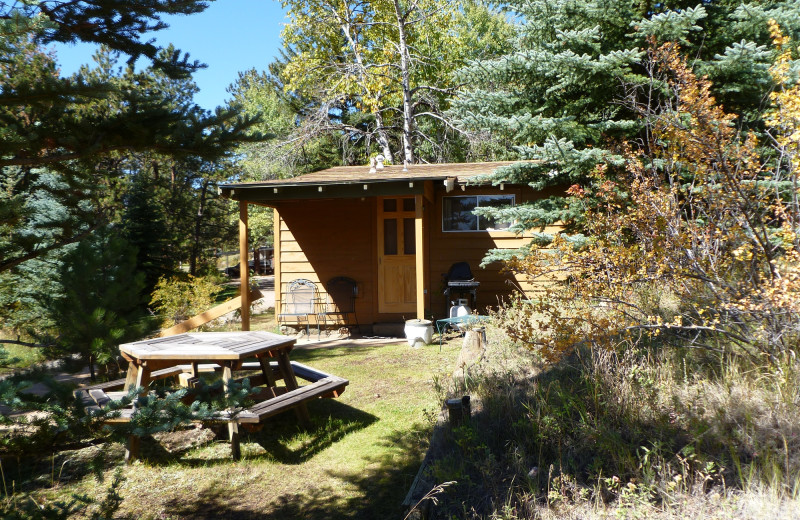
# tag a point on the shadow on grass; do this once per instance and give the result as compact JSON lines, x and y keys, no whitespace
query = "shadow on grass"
{"x":371,"y":495}
{"x":280,"y":437}
{"x":331,"y":421}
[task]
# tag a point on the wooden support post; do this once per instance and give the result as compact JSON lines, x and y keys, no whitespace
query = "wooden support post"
{"x":276,"y":259}
{"x":419,"y":237}
{"x":244,"y":270}
{"x":459,"y":411}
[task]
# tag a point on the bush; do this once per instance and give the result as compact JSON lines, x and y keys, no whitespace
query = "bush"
{"x":636,"y":428}
{"x":176,"y":299}
{"x":697,"y":243}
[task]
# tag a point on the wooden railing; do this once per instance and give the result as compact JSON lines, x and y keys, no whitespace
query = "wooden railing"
{"x":211,"y":314}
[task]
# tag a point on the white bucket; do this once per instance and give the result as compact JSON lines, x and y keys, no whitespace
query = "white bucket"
{"x":419,"y":331}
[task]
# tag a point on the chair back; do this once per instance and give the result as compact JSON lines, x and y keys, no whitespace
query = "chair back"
{"x":300,"y":297}
{"x":342,"y":292}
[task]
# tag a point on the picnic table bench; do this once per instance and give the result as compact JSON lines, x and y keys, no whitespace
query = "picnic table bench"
{"x":226,"y":352}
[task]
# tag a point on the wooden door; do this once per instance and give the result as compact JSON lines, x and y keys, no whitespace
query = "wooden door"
{"x":397,"y":274}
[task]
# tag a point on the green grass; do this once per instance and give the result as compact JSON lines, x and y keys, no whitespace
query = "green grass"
{"x":19,"y":356}
{"x":356,"y":461}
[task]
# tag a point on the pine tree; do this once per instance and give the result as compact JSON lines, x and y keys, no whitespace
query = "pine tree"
{"x":101,"y":303}
{"x":559,"y":98}
{"x":73,"y":127}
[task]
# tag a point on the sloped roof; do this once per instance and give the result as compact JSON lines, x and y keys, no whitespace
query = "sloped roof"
{"x":344,"y":176}
{"x":359,"y":174}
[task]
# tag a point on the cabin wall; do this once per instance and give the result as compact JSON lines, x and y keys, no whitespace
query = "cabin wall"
{"x":319,"y":239}
{"x":451,"y":247}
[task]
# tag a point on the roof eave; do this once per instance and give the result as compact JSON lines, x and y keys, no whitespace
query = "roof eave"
{"x":263,"y":192}
{"x":272,"y":191}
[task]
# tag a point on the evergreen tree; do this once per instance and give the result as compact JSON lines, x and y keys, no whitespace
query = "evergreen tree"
{"x":144,"y":225}
{"x":69,"y":127}
{"x":559,"y":98}
{"x":101,"y":303}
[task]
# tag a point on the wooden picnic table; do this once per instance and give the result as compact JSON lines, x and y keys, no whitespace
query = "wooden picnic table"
{"x":228,"y":349}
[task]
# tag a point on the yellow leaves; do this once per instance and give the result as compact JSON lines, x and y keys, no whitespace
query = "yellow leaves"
{"x":716,"y":256}
{"x":744,"y":253}
{"x":784,"y":119}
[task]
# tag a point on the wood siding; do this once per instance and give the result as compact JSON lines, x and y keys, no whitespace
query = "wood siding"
{"x":447,"y":248}
{"x":323,"y":238}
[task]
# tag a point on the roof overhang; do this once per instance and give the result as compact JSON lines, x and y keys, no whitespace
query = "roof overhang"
{"x":356,"y":181}
{"x":321,"y":190}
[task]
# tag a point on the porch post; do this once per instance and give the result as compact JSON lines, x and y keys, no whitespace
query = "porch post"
{"x":244,"y":270}
{"x":276,"y":260}
{"x":421,"y":255}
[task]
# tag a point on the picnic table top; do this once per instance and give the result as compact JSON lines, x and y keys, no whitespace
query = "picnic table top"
{"x":207,"y":346}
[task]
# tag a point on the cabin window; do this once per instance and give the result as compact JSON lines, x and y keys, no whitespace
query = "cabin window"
{"x":457,"y":212}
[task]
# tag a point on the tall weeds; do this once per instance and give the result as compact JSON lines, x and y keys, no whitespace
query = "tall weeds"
{"x":642,"y":429}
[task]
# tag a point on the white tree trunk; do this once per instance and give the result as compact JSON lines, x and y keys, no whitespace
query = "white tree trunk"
{"x":405,"y":75}
{"x":380,"y":130}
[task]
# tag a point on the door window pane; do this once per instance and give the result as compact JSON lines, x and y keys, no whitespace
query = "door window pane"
{"x":389,"y":205}
{"x":409,"y":237}
{"x":389,"y":236}
{"x":408,"y":204}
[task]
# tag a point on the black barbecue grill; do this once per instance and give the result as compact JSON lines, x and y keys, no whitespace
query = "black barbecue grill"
{"x":459,"y":281}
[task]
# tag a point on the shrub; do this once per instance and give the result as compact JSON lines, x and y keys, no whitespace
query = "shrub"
{"x":176,"y":299}
{"x":697,"y":243}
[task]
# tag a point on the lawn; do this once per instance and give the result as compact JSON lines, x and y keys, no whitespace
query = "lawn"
{"x":18,"y":355}
{"x":356,"y":461}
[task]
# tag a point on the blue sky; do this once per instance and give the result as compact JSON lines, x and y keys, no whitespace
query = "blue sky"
{"x":230,"y":36}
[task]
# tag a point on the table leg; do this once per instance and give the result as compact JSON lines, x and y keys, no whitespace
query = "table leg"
{"x":130,"y":378}
{"x":233,"y":434}
{"x":141,"y":380}
{"x":233,"y":425}
{"x":227,"y":375}
{"x":291,"y":383}
{"x":269,"y":377}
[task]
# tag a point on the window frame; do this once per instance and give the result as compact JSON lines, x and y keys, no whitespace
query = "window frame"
{"x":513,"y":202}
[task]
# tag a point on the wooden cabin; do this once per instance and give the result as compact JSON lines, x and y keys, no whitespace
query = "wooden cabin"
{"x":394,"y":231}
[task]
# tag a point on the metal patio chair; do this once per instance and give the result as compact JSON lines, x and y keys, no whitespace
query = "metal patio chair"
{"x":300,"y":301}
{"x":340,"y":304}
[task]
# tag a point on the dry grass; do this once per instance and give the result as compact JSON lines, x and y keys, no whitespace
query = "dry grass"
{"x":646,"y":434}
{"x":750,"y":505}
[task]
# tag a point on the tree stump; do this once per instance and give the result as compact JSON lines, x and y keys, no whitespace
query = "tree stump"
{"x":471,"y":351}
